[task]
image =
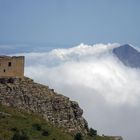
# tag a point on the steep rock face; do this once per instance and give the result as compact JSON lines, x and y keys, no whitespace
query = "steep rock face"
{"x":27,"y":95}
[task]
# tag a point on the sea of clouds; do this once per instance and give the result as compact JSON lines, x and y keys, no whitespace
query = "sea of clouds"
{"x":107,"y":90}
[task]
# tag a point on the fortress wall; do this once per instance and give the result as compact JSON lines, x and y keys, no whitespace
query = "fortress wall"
{"x":12,"y":66}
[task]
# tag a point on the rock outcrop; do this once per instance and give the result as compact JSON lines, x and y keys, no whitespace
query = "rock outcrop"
{"x":114,"y":137}
{"x":25,"y":94}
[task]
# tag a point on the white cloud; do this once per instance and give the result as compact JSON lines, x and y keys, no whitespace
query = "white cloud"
{"x":108,"y":91}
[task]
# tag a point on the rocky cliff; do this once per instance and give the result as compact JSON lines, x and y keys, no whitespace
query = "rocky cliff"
{"x":25,"y":94}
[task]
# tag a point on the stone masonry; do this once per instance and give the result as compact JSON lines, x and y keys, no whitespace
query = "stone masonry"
{"x":12,"y":66}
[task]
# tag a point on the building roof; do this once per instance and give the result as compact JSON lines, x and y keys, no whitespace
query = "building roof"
{"x":4,"y":56}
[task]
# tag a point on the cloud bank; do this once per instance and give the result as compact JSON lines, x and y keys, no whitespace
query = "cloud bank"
{"x":108,"y":91}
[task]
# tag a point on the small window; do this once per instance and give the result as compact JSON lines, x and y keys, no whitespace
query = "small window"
{"x":9,"y":64}
{"x":4,"y":70}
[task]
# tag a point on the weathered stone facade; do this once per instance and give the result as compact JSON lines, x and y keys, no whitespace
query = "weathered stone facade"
{"x":12,"y":66}
{"x":24,"y":94}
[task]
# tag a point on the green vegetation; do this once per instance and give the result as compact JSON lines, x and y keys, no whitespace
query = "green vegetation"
{"x":20,"y":135}
{"x":18,"y":125}
{"x":92,"y":132}
{"x":78,"y":136}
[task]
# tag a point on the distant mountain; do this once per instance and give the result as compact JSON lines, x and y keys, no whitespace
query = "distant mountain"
{"x":128,"y":55}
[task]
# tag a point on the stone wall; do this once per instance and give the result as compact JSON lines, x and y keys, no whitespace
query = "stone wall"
{"x":27,"y":95}
{"x":12,"y":66}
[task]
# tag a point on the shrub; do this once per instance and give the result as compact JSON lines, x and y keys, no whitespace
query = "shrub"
{"x":45,"y":133}
{"x":37,"y":126}
{"x":78,"y":136}
{"x":16,"y":136}
{"x":20,"y":135}
{"x":14,"y":129}
{"x":92,"y":132}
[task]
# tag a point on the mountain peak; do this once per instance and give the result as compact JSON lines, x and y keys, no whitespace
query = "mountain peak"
{"x":127,"y":47}
{"x":128,"y":55}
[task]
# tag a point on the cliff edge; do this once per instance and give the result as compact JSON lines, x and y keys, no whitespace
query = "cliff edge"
{"x":25,"y":94}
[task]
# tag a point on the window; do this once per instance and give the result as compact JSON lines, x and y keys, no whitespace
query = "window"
{"x":9,"y":64}
{"x":4,"y":70}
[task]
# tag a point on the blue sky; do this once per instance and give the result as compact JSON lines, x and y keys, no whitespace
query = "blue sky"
{"x":69,"y":22}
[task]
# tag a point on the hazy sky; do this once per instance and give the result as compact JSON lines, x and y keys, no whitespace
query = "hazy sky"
{"x":70,"y":22}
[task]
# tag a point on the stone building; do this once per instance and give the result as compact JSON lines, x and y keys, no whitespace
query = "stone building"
{"x":12,"y":66}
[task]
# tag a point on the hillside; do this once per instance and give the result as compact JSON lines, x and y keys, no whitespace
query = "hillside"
{"x":37,"y":112}
{"x":31,"y":126}
{"x":24,"y":94}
